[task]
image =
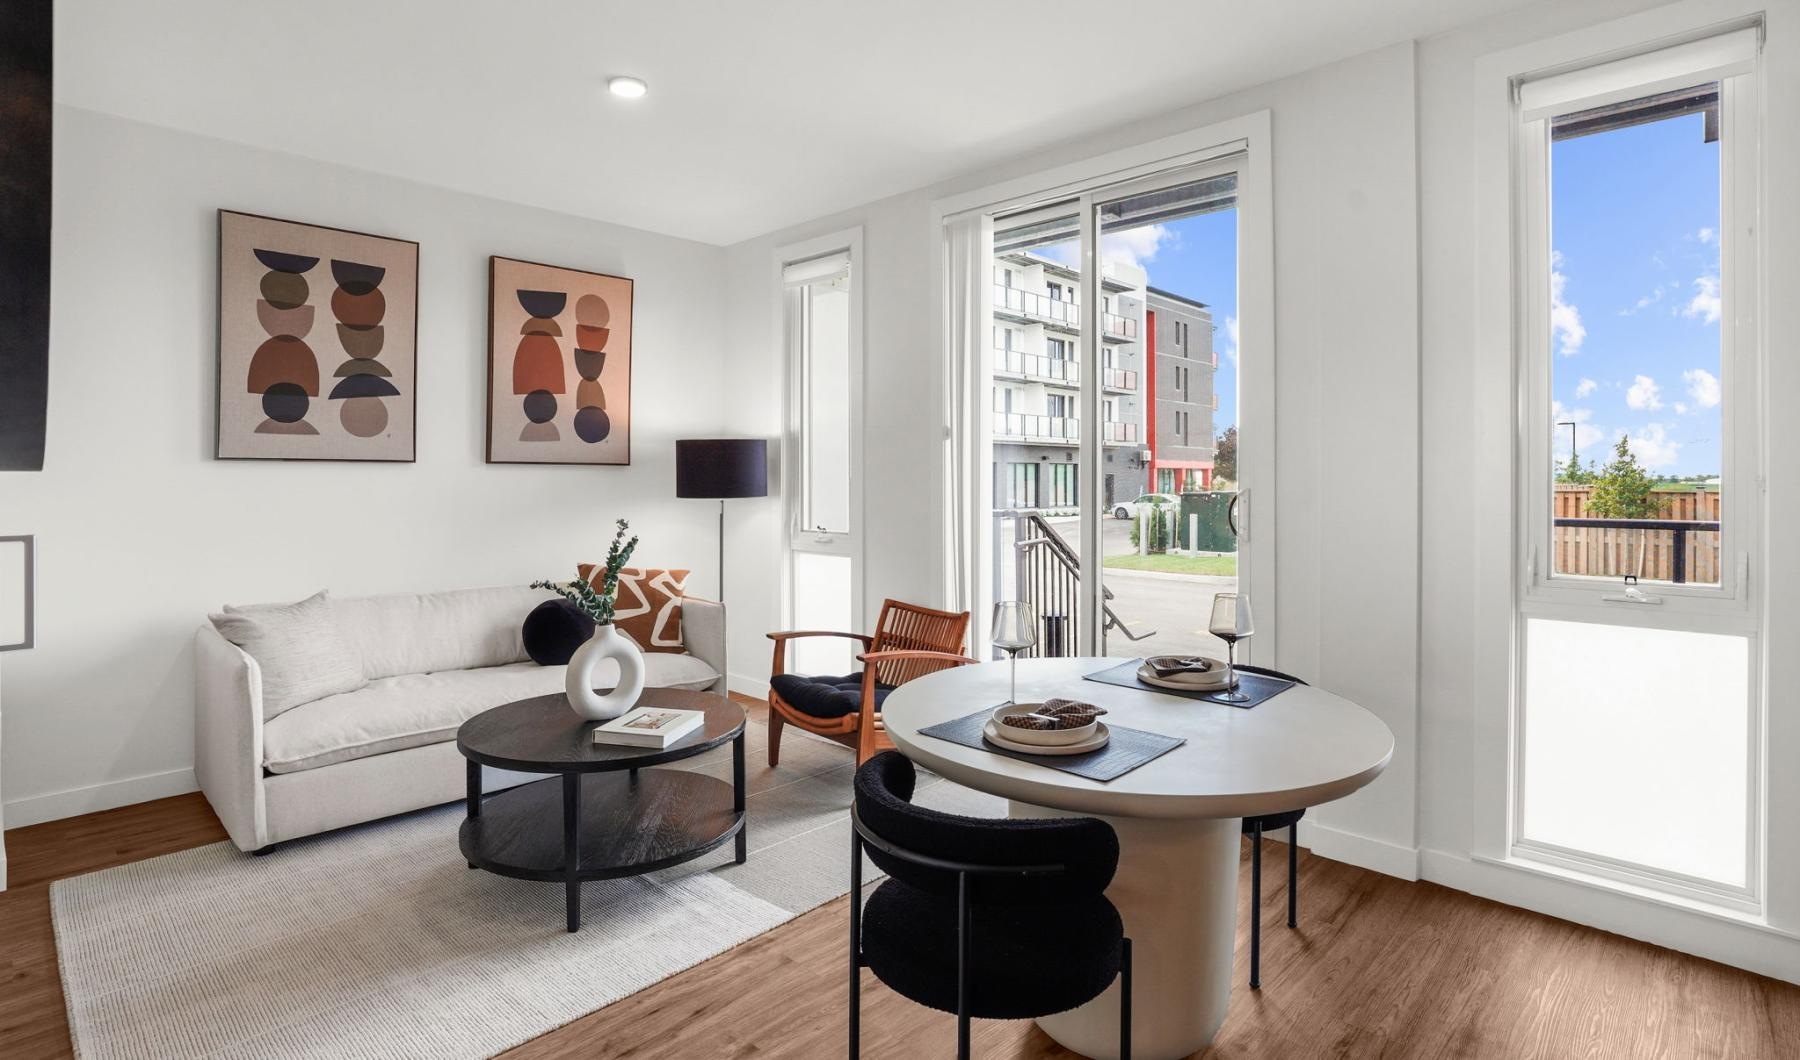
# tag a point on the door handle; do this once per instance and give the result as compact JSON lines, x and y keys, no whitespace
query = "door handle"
{"x":1231,"y":514}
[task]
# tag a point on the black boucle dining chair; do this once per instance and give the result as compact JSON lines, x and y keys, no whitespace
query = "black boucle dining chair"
{"x":1254,"y":827}
{"x":989,"y":919}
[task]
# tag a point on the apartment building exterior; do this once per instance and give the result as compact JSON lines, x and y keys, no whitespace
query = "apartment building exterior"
{"x":1179,"y":397}
{"x":1037,"y":420}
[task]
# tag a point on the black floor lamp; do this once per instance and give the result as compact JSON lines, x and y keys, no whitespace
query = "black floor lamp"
{"x":720,"y":469}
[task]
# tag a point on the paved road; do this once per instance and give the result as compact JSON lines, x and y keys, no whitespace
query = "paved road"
{"x":1175,"y":606}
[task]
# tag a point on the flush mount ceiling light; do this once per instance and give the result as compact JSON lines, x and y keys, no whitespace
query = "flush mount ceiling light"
{"x":627,"y":87}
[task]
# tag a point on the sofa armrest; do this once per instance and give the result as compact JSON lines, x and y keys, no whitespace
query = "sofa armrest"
{"x":703,"y":631}
{"x":228,"y":736}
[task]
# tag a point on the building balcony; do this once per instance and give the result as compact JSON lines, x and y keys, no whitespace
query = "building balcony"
{"x":1123,"y":380}
{"x":1057,"y":430}
{"x":1054,"y":371}
{"x":1038,"y":308}
{"x":1114,"y":326}
{"x":1045,"y":430}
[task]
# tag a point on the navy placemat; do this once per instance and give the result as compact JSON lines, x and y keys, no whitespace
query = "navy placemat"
{"x":1126,"y":750}
{"x":1256,"y":686}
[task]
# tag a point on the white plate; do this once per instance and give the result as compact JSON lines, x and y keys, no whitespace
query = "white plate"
{"x":1214,"y":683}
{"x":1093,"y":743}
{"x":1041,"y":737}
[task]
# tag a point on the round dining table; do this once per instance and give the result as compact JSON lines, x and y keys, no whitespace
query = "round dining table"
{"x":1178,"y":818}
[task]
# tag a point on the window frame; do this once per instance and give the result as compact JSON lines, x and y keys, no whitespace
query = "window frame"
{"x":798,"y":538}
{"x":1735,"y":605}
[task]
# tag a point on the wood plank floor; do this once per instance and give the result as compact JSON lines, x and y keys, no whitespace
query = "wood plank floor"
{"x":1378,"y":967}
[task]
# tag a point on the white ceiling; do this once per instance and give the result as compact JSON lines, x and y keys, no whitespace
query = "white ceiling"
{"x":761,"y":113}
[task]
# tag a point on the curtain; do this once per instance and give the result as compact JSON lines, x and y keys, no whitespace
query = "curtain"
{"x":968,"y":319}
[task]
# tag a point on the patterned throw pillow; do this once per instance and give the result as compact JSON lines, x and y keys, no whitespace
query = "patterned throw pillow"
{"x":649,"y":604}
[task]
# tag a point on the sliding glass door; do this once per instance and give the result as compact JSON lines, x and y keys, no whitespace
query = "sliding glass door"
{"x":1113,"y":382}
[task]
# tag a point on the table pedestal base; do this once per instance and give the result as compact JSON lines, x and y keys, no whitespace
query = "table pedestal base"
{"x":1176,"y":889}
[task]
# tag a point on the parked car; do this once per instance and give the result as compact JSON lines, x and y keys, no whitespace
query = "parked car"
{"x":1131,"y":509}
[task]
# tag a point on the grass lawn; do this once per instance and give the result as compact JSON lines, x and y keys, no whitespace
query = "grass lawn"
{"x":1223,"y":565}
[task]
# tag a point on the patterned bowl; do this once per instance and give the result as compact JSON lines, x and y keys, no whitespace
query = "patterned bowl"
{"x":1039,"y":737}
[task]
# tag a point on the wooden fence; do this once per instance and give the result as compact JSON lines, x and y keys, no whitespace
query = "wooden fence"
{"x":1648,"y":553}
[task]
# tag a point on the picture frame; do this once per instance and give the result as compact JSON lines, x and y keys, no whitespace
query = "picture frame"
{"x":18,"y":592}
{"x":317,"y":342}
{"x":559,"y":364}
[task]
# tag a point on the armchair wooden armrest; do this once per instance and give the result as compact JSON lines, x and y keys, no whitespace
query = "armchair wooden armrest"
{"x":870,"y":726}
{"x":779,"y":665}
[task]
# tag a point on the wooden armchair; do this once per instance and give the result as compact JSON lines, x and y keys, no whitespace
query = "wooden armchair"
{"x":909,"y":641}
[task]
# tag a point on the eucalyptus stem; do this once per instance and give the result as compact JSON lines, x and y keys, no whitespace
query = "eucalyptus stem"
{"x":600,"y":604}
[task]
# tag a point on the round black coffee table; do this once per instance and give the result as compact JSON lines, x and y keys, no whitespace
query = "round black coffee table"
{"x":599,"y":818}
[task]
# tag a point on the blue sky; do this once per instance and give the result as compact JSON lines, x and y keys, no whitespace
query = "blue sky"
{"x":1634,"y":224}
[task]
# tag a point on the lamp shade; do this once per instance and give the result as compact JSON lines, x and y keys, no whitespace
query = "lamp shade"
{"x":716,"y":468}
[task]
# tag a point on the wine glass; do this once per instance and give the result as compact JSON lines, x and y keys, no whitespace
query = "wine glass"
{"x":1015,"y":629}
{"x":1231,"y":622}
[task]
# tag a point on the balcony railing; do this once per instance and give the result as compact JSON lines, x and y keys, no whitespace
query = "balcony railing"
{"x":1028,"y":427}
{"x":1122,"y":327}
{"x":1056,"y":430}
{"x":1119,"y":379}
{"x":1036,"y":306}
{"x":1058,"y":370}
{"x":1617,"y":547}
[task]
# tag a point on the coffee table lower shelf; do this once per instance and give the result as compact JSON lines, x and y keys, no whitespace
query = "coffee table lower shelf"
{"x":622,"y":824}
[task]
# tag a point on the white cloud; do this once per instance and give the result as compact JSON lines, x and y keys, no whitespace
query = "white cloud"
{"x":1705,"y":304}
{"x":1653,"y":446}
{"x":1644,"y":393}
{"x":1585,"y":387}
{"x":1681,"y":408}
{"x":1702,"y":386}
{"x":1645,"y":302}
{"x":1134,"y":246}
{"x":1706,"y":235}
{"x":1565,"y":319}
{"x":1230,"y":351}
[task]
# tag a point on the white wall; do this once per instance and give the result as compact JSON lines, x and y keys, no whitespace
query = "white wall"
{"x":141,"y":533}
{"x":1347,"y":375}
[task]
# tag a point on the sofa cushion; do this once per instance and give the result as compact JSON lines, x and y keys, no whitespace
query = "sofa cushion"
{"x":553,"y":630}
{"x":419,"y":633}
{"x":299,"y":647}
{"x":411,"y":710}
{"x":648,"y":604}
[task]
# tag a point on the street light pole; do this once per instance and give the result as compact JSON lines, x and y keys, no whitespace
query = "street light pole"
{"x":1574,"y":453}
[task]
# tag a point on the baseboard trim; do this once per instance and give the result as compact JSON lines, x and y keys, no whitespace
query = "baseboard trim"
{"x":1727,"y":939}
{"x":1376,"y":855}
{"x":73,"y":802}
{"x":757,"y":687}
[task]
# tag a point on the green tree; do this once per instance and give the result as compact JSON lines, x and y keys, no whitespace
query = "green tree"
{"x":1225,"y":455}
{"x":1574,"y":474}
{"x":1622,"y":490}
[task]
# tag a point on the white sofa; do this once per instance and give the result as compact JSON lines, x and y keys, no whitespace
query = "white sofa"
{"x":432,"y":661}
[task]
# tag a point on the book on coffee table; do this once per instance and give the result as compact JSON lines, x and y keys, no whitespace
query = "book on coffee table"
{"x":649,"y":727}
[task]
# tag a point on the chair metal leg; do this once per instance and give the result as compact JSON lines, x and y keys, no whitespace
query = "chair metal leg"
{"x":855,"y":944}
{"x":962,"y":966}
{"x":1293,"y":874}
{"x":1256,"y":906}
{"x":1125,"y":999}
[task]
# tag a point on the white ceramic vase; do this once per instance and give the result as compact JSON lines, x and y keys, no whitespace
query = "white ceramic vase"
{"x":606,"y":643}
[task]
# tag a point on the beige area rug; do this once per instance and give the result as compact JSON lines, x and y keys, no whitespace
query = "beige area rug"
{"x":379,"y":941}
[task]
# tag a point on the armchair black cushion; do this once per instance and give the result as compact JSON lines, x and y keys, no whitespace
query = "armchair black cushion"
{"x":825,"y":697}
{"x":1029,"y":960}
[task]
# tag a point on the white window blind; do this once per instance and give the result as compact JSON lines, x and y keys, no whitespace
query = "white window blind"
{"x":822,"y":269}
{"x":1696,"y":62}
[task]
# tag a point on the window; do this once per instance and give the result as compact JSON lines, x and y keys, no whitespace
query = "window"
{"x":1057,"y":349}
{"x":1637,"y":701}
{"x":822,"y":335}
{"x":1059,"y":405}
{"x":1055,"y":291}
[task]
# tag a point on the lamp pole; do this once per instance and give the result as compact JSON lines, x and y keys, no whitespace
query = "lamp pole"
{"x":1574,"y":452}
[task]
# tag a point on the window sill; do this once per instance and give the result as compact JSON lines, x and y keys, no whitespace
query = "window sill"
{"x":1727,"y":913}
